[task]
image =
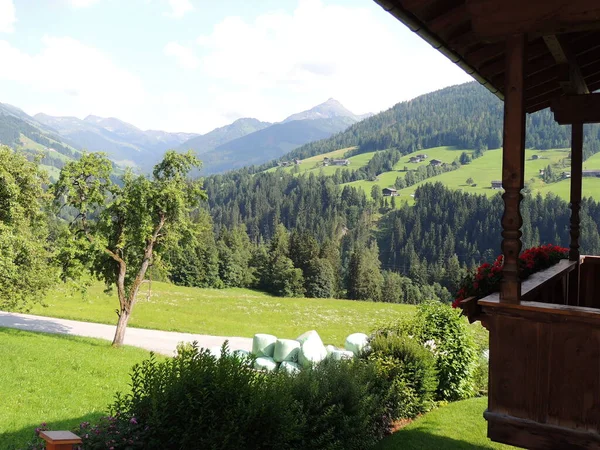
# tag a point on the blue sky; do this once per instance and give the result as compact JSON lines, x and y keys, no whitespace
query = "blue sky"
{"x":193,"y":65}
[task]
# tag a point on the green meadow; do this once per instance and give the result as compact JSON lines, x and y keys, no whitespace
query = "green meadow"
{"x":225,"y":312}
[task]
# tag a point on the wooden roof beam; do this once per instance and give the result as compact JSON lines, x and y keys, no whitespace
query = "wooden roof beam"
{"x":496,"y":19}
{"x":570,"y":78}
{"x":486,"y":53}
{"x":450,"y":18}
{"x":570,"y":109}
{"x":535,"y":51}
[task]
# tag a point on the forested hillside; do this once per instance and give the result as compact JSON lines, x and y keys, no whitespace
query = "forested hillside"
{"x":22,"y":132}
{"x":466,"y":116}
{"x":432,"y":242}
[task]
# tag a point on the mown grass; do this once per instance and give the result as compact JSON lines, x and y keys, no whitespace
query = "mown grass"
{"x":227,"y":312}
{"x":61,"y":380}
{"x":456,"y":426}
{"x":65,"y":380}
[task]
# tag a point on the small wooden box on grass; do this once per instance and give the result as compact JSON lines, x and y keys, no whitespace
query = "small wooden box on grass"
{"x":60,"y":440}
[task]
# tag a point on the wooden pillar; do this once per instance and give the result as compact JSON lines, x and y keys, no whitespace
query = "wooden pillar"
{"x":513,"y":166}
{"x":576,"y":181}
{"x":576,"y":174}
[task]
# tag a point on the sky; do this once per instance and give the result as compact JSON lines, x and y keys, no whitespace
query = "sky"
{"x":194,"y":65}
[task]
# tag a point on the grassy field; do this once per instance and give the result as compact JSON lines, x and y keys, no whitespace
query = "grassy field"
{"x":227,"y":312}
{"x":61,"y":380}
{"x":593,"y":162}
{"x":314,"y":164}
{"x":482,"y":170}
{"x":457,"y":426}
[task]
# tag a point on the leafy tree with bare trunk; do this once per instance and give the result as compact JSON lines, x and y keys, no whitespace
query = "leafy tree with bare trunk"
{"x":128,"y":226}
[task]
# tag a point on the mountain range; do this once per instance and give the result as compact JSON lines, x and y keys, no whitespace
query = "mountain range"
{"x":244,"y":142}
{"x":124,"y":143}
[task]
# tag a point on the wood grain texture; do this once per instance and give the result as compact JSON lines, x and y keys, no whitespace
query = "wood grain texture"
{"x":544,"y":376}
{"x":577,"y":109}
{"x":513,"y":166}
{"x":589,"y":285}
{"x":495,"y":19}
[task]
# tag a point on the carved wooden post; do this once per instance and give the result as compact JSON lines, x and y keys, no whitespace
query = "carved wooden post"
{"x":60,"y":440}
{"x":513,"y":166}
{"x":576,"y":174}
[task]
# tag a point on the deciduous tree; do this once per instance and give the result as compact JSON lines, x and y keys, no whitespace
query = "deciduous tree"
{"x":129,"y":226}
{"x":26,"y":271}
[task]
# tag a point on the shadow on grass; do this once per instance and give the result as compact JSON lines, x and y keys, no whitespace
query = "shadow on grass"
{"x":421,"y":438}
{"x":19,"y":440}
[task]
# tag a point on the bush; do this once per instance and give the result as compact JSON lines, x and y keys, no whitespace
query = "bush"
{"x":481,"y":375}
{"x":345,"y":405}
{"x":197,"y":401}
{"x":442,"y":328}
{"x":409,"y":368}
{"x":456,"y":353}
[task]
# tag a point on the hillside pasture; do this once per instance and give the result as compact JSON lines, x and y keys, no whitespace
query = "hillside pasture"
{"x":445,"y":154}
{"x":593,"y":162}
{"x":314,"y":164}
{"x":226,"y":312}
{"x":482,"y":170}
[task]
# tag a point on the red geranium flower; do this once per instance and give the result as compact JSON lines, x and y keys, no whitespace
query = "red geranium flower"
{"x":486,"y":278}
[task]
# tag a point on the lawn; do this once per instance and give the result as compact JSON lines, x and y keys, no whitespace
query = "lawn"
{"x":61,"y":380}
{"x":457,"y":426}
{"x":64,"y":380}
{"x":226,"y":312}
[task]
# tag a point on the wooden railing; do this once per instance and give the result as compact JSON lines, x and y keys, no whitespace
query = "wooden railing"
{"x":544,"y":382}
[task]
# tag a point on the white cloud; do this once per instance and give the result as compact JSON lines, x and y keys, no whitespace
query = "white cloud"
{"x":180,"y":8}
{"x":83,"y":3}
{"x":184,"y":56}
{"x":7,"y":16}
{"x":320,"y":51}
{"x":84,"y":79}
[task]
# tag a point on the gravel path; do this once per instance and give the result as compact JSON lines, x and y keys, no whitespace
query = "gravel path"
{"x":163,"y":342}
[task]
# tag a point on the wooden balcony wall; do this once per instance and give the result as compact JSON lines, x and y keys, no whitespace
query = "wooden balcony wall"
{"x":589,"y":286}
{"x":544,"y":393}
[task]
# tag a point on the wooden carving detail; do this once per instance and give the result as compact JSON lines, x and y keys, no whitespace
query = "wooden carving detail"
{"x":513,"y":166}
{"x":576,"y":173}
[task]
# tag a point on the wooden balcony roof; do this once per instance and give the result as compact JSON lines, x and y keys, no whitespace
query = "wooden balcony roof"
{"x":563,"y":50}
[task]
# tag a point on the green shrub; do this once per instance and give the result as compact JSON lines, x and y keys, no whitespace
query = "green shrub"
{"x":455,"y":350}
{"x":445,"y":331}
{"x":197,"y":401}
{"x":345,"y":405}
{"x":480,"y":375}
{"x":409,"y":368}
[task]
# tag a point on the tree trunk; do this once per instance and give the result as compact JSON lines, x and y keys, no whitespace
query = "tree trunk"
{"x":121,"y":327}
